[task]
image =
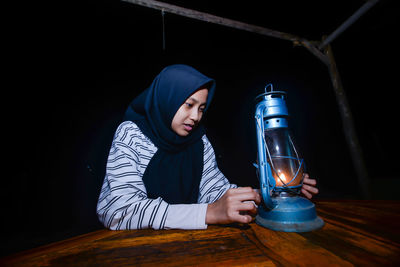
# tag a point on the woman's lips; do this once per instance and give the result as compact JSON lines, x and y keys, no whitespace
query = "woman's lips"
{"x":188,"y":127}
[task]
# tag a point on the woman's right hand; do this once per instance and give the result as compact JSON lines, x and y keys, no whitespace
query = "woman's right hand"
{"x":229,"y":208}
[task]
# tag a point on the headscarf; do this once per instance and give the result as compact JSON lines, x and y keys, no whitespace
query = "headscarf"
{"x":175,"y":171}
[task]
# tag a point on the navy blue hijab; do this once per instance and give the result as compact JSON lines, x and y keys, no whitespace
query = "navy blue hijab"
{"x":175,"y":171}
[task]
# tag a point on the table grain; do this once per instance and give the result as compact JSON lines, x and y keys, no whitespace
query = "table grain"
{"x":356,"y":233}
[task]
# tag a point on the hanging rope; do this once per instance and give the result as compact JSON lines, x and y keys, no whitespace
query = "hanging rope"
{"x":163,"y":28}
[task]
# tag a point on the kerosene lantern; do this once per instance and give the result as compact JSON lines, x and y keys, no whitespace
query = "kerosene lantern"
{"x":280,"y":169}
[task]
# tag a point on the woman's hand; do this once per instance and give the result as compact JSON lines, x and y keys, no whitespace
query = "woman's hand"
{"x":309,"y":189}
{"x":229,"y":208}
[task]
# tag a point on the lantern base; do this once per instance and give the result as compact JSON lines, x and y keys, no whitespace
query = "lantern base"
{"x":290,"y":214}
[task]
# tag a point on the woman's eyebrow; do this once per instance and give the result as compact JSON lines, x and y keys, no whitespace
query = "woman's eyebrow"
{"x":197,"y":101}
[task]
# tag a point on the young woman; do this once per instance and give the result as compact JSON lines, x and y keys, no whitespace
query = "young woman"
{"x":162,"y":172}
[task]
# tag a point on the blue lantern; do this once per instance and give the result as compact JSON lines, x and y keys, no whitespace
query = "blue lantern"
{"x":280,"y":169}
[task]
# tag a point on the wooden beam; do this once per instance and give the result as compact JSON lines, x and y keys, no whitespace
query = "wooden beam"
{"x":364,"y":8}
{"x":189,"y":13}
{"x":185,"y":12}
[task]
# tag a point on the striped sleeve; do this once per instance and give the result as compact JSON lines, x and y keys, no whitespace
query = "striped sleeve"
{"x":213,"y":184}
{"x":123,"y":202}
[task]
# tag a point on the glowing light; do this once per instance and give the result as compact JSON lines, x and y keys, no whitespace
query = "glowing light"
{"x":281,"y":178}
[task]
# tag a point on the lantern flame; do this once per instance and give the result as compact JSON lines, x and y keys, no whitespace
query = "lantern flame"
{"x":281,"y":178}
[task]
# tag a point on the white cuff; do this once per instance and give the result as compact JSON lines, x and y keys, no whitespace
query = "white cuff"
{"x":186,"y":216}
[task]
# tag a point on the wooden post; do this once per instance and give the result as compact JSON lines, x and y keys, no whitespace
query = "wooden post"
{"x":348,"y":126}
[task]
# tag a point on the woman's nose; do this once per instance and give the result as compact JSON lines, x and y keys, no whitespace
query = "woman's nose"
{"x":195,"y":115}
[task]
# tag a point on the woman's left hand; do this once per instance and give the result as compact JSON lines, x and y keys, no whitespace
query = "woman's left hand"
{"x":309,"y":187}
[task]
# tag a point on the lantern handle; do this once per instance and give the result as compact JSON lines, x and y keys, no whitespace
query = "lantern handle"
{"x":269,"y":92}
{"x":269,"y":85}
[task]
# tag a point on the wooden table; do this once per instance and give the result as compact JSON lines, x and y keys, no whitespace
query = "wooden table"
{"x":361,"y":233}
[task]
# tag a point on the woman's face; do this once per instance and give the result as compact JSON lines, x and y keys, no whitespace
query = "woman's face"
{"x":189,"y":114}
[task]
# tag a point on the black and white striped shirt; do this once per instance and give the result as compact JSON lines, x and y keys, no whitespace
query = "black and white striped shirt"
{"x":123,"y":202}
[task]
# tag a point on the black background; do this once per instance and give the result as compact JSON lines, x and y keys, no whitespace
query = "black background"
{"x":72,"y":68}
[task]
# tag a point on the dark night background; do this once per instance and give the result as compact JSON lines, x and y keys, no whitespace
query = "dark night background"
{"x":73,"y":69}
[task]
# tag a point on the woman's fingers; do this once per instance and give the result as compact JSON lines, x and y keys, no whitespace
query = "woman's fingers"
{"x":310,"y":189}
{"x":243,"y":194}
{"x":306,"y":193}
{"x":242,"y":217}
{"x":309,"y":181}
{"x":309,"y":186}
{"x":247,"y":206}
{"x":236,"y":205}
